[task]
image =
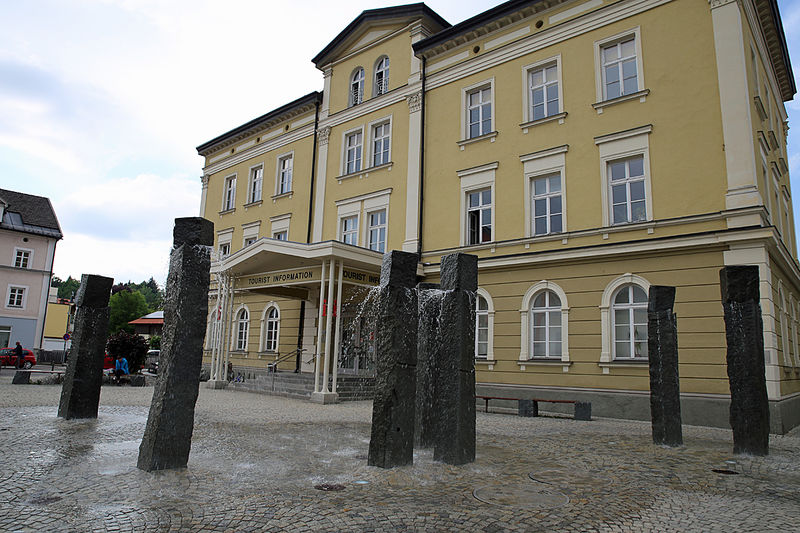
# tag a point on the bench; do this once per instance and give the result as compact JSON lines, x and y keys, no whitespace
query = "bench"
{"x":530,"y":406}
{"x":23,"y":377}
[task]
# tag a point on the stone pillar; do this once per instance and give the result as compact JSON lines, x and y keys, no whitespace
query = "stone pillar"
{"x":744,"y":333}
{"x":662,"y":353}
{"x":455,"y":384}
{"x":429,"y":304}
{"x":168,"y":434}
{"x":80,"y":394}
{"x":392,"y":441}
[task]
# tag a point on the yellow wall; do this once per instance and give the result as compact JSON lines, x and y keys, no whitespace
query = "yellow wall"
{"x":57,"y":321}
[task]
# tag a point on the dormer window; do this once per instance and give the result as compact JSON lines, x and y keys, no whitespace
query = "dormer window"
{"x":357,"y":87}
{"x":381,"y":76}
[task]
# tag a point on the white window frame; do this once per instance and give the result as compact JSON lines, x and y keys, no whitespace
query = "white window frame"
{"x":606,"y":349}
{"x":250,"y":233}
{"x":465,"y":92}
{"x":280,"y":224}
{"x":345,"y":149}
{"x":342,"y":237}
{"x":255,"y":189}
{"x":540,"y":164}
{"x":356,"y":87}
{"x":229,"y":193}
{"x":795,"y":345}
{"x":526,"y":352}
{"x":547,"y":197}
{"x":627,"y":182}
{"x":776,"y":200}
{"x":386,"y":121}
{"x":281,"y":235}
{"x":471,"y":180}
{"x":29,"y":259}
{"x":598,"y":62}
{"x":490,"y":320}
{"x":224,"y":250}
{"x":765,"y":174}
{"x":361,"y":205}
{"x":236,"y":330}
{"x":224,"y":238}
{"x":527,"y":102}
{"x":623,"y":145}
{"x":279,"y":174}
{"x":16,"y":288}
{"x":784,"y":313}
{"x":480,"y":210}
{"x":631,"y":308}
{"x":263,"y":346}
{"x":377,"y":228}
{"x":382,"y":86}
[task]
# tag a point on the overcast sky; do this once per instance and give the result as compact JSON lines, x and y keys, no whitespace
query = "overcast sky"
{"x":102,"y":103}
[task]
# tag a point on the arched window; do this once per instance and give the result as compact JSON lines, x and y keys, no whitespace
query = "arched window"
{"x":481,"y":327}
{"x":629,"y":323}
{"x":357,"y":87}
{"x":242,"y":329}
{"x":545,"y":324}
{"x":544,"y":321}
{"x":381,"y":76}
{"x":271,"y":330}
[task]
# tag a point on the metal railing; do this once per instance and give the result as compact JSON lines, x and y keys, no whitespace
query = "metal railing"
{"x":273,"y":366}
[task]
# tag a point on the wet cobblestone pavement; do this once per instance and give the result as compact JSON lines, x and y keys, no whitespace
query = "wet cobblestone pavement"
{"x":256,"y":459}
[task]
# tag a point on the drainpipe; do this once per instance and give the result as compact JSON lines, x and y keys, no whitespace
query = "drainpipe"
{"x":421,"y":164}
{"x":299,"y":358}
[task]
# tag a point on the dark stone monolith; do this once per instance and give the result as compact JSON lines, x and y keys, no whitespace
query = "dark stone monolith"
{"x":662,"y":352}
{"x":80,"y":393}
{"x":168,"y":434}
{"x":21,"y":377}
{"x":429,"y":301}
{"x":455,"y":383}
{"x":392,"y":440}
{"x":744,"y":333}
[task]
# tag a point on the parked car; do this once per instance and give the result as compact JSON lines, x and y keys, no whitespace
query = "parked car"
{"x":7,"y":357}
{"x":151,"y":363}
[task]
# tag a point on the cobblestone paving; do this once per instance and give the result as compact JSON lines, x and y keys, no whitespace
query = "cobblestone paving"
{"x":256,"y":459}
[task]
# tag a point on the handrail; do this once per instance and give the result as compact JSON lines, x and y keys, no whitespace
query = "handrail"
{"x":281,"y":358}
{"x":313,"y":358}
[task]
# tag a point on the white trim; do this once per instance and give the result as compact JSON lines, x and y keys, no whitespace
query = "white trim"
{"x":539,"y":164}
{"x":472,"y":179}
{"x":235,"y":329}
{"x":524,"y":311}
{"x":526,"y":89}
{"x":278,"y":159}
{"x":361,"y":206}
{"x":577,"y":10}
{"x":624,"y":145}
{"x":343,"y":159}
{"x":465,"y":91}
{"x":25,"y":291}
{"x":262,"y":336}
{"x":280,"y":223}
{"x":225,"y":205}
{"x":250,"y":182}
{"x":490,"y":340}
{"x":634,"y":32}
{"x":605,"y":314}
{"x":18,"y":249}
{"x":371,"y":128}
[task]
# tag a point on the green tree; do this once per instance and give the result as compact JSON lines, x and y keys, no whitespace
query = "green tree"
{"x":126,"y":305}
{"x":131,"y":347}
{"x":68,"y":288}
{"x":155,"y":342}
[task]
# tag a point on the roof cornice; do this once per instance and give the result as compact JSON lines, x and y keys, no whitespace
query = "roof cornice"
{"x":769,"y":18}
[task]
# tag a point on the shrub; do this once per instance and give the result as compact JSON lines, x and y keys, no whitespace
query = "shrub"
{"x":131,"y":347}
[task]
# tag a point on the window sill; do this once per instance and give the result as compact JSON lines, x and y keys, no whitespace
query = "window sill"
{"x":773,"y":140}
{"x":545,"y":362}
{"x":242,"y":353}
{"x":492,"y":135}
{"x":485,"y":361}
{"x":227,"y":211}
{"x":762,"y":112}
{"x":361,"y":174}
{"x":559,"y":117}
{"x":253,"y":204}
{"x":641,"y":95}
{"x":617,"y":363}
{"x":267,"y":354}
{"x":277,"y":197}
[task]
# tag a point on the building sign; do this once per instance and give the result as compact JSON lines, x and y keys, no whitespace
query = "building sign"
{"x":304,"y":276}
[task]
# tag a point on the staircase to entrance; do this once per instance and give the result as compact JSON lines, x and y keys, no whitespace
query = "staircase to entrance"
{"x":301,"y":385}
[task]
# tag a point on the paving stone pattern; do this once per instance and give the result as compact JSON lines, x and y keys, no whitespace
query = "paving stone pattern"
{"x":255,"y":460}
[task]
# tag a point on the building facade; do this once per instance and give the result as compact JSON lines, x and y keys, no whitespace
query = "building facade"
{"x":583,"y":150}
{"x":29,"y":232}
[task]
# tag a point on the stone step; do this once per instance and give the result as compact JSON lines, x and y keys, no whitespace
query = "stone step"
{"x":289,"y":384}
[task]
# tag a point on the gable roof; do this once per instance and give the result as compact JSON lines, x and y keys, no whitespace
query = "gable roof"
{"x":382,"y":14}
{"x":29,"y":214}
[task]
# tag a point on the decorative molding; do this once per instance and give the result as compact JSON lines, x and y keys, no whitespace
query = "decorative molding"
{"x":323,"y":134}
{"x":719,"y":3}
{"x":414,"y":102}
{"x":204,"y":179}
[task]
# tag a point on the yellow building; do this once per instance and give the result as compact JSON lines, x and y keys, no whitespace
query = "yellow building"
{"x":583,"y":149}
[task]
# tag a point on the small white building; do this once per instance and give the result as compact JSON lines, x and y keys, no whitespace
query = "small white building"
{"x":29,"y":232}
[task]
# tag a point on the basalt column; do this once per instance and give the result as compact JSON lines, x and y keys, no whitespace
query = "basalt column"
{"x":168,"y":434}
{"x":392,"y":441}
{"x":429,"y":297}
{"x":662,"y":353}
{"x":455,"y":384}
{"x":744,"y":334}
{"x":80,"y":394}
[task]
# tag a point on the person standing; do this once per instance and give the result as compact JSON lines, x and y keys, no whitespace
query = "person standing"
{"x":121,"y":368}
{"x":20,"y":355}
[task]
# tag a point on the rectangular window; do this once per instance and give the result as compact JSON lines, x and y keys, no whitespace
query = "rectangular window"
{"x":281,"y":235}
{"x":16,"y":297}
{"x":350,"y":230}
{"x":22,"y":259}
{"x":543,"y":84}
{"x":627,"y":186}
{"x":229,"y":194}
{"x":224,"y":250}
{"x":376,"y":230}
{"x":620,"y":76}
{"x":250,"y":240}
{"x":479,"y":216}
{"x":256,"y":183}
{"x":546,"y":205}
{"x":353,"y":144}
{"x":380,"y":144}
{"x":285,"y":175}
{"x":776,"y":202}
{"x":479,"y":112}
